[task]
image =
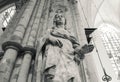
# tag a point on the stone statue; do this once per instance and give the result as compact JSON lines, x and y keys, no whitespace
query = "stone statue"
{"x":61,"y":53}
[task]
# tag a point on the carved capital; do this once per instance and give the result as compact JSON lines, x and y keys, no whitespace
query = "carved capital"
{"x":30,"y":50}
{"x":11,"y":44}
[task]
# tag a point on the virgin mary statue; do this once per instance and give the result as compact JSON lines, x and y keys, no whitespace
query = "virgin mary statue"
{"x":61,"y":53}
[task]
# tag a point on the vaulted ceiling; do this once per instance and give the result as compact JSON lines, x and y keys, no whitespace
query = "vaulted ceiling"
{"x":109,"y":12}
{"x":98,"y":12}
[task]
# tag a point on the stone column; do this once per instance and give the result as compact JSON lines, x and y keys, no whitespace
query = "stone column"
{"x":79,"y":33}
{"x":41,"y":24}
{"x":44,"y":26}
{"x":13,"y":46}
{"x":29,"y":49}
{"x":15,"y":72}
{"x":23,"y":75}
{"x":85,"y":67}
{"x":31,"y":72}
{"x":7,"y":63}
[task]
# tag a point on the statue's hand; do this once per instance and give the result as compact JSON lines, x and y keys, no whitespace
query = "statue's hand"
{"x":87,"y":48}
{"x":54,"y":41}
{"x":84,"y":50}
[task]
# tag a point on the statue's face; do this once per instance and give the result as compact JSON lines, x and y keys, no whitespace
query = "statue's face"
{"x":59,"y":19}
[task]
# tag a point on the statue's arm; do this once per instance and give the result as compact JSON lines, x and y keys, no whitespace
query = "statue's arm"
{"x":81,"y":51}
{"x":74,"y":41}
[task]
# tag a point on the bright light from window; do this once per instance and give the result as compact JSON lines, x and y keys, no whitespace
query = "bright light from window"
{"x":7,"y":15}
{"x":111,"y":42}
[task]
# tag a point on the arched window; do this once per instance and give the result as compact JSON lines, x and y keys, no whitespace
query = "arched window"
{"x":5,"y":18}
{"x":111,"y":41}
{"x":7,"y":15}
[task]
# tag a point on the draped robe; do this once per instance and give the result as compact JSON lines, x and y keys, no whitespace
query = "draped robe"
{"x":59,"y":57}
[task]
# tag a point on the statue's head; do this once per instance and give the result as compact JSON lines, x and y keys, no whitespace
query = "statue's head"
{"x":59,"y":19}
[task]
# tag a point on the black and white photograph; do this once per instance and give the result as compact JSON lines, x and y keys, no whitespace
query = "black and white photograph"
{"x":59,"y":40}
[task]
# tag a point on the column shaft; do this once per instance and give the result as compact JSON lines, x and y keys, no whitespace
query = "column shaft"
{"x":30,"y":38}
{"x":6,"y":64}
{"x":23,"y":23}
{"x":16,"y":70}
{"x":25,"y":68}
{"x":14,"y":44}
